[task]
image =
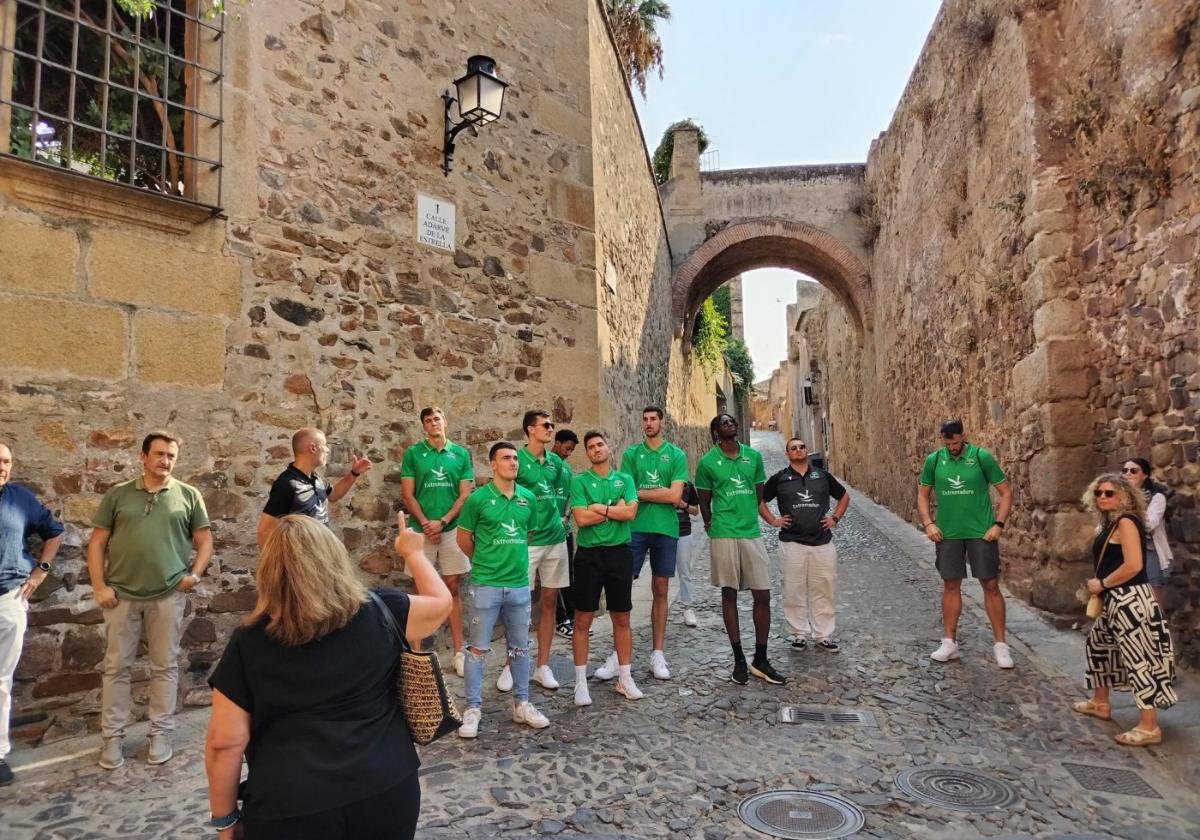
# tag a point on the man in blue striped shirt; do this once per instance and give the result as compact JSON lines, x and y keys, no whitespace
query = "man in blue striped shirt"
{"x":21,"y":515}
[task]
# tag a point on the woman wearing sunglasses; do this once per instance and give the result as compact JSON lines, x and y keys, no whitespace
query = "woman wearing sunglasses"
{"x":1129,"y":647}
{"x":1158,"y":551}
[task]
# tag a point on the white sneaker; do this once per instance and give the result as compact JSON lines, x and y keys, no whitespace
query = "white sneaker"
{"x":948,"y":651}
{"x":470,"y":724}
{"x":609,"y":669}
{"x":525,"y":713}
{"x":460,"y":662}
{"x":658,"y":666}
{"x":1003,"y":655}
{"x":504,"y":681}
{"x":629,"y":689}
{"x":689,"y":617}
{"x":544,"y":677}
{"x":582,"y":696}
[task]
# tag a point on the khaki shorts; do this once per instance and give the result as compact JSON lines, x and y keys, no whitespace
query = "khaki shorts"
{"x":446,"y":556}
{"x":549,"y":564}
{"x":740,"y":564}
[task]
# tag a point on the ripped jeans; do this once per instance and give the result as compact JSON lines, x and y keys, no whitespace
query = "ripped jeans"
{"x":486,"y":604}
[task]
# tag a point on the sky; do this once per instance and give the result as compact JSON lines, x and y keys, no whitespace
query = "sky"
{"x":779,"y":82}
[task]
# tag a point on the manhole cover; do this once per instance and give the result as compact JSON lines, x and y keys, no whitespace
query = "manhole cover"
{"x":957,"y":788}
{"x":1111,"y":780}
{"x":800,"y":814}
{"x":808,"y":714}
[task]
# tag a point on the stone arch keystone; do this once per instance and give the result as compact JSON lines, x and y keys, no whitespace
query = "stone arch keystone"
{"x":770,"y":243}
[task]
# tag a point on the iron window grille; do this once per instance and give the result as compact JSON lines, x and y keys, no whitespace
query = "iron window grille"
{"x":88,"y":87}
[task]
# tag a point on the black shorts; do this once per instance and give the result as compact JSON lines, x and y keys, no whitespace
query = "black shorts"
{"x":608,"y":568}
{"x":954,"y":555}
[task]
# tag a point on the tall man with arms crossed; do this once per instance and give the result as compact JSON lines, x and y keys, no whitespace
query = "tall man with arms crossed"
{"x":299,"y":489}
{"x":960,"y":473}
{"x":730,"y":480}
{"x":807,"y":556}
{"x":137,"y":559}
{"x":436,"y":478}
{"x":660,"y":470}
{"x":604,"y":503}
{"x":540,"y":472}
{"x":21,"y":515}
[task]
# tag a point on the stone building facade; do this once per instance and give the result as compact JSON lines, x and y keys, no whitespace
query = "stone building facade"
{"x":307,"y":299}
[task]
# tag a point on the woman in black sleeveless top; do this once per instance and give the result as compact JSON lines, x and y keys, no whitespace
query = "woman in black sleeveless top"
{"x":1129,"y":647}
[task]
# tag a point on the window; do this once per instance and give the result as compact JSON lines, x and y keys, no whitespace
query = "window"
{"x":88,"y":87}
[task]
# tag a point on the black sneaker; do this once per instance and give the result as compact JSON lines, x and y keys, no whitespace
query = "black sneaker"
{"x":799,"y":643}
{"x":765,"y":672}
{"x":6,"y":774}
{"x":827,"y":644}
{"x":566,"y":629}
{"x":739,"y":672}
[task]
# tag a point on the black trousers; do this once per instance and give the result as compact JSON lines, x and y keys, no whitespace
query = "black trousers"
{"x":565,"y":608}
{"x":391,"y":815}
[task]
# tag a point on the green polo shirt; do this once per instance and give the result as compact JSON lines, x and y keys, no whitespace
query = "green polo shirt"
{"x":151,"y":536}
{"x":734,"y":499}
{"x":960,"y":487}
{"x":436,"y":475}
{"x":501,"y":525}
{"x":541,"y":478}
{"x":655,"y":469}
{"x":589,"y":488}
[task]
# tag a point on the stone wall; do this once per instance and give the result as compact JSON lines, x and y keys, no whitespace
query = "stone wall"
{"x":309,"y":301}
{"x":1032,"y":218}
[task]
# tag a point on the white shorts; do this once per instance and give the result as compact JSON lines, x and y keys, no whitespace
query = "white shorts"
{"x":446,"y":556}
{"x":549,"y":563}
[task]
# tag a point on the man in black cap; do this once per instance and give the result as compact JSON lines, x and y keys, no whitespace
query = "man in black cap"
{"x":965,"y":531}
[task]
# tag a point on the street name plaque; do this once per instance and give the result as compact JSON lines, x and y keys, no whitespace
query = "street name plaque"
{"x":435,"y":222}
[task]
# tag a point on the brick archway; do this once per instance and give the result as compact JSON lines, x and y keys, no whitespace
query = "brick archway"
{"x":770,"y":243}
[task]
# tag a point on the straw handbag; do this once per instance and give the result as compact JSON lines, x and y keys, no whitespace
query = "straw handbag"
{"x":420,"y":687}
{"x":1094,"y":607}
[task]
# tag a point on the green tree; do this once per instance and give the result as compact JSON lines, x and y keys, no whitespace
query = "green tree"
{"x":709,"y":337}
{"x":737,"y":356}
{"x":723,"y":300}
{"x":666,"y":148}
{"x":633,"y":24}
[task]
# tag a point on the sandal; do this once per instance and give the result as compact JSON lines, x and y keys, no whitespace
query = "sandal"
{"x":1093,"y":709}
{"x":1140,"y":737}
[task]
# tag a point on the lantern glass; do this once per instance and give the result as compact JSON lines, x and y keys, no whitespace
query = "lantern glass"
{"x":468,"y":96}
{"x":480,"y":92}
{"x":491,"y":98}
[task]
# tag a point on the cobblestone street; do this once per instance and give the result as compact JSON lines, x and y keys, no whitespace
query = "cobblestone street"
{"x":678,"y":763}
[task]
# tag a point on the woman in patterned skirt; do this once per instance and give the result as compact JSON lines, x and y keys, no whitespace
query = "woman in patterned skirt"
{"x":1129,"y":647}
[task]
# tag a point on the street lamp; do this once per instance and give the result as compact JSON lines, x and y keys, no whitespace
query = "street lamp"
{"x":480,"y":101}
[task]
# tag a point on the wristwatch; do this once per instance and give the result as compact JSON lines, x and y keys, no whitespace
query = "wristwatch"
{"x":45,"y":567}
{"x":227,"y":821}
{"x":444,"y":525}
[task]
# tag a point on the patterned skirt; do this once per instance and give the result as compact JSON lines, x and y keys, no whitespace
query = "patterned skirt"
{"x":1129,"y":648}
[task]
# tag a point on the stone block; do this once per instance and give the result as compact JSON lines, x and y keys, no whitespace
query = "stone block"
{"x":559,"y":118}
{"x":60,"y":684}
{"x":1049,"y":280}
{"x":80,"y":509}
{"x":64,"y":337}
{"x":174,"y":350}
{"x":39,"y":656}
{"x":1048,"y":246}
{"x":83,"y":648}
{"x":571,"y":202}
{"x":1068,"y":534}
{"x":37,"y":258}
{"x":1055,"y":370}
{"x":1058,"y":318}
{"x":559,"y":280}
{"x":1067,"y":423}
{"x":1061,"y":474}
{"x":377,"y":562}
{"x":154,"y":273}
{"x":1058,"y":587}
{"x":562,"y":365}
{"x":234,"y":602}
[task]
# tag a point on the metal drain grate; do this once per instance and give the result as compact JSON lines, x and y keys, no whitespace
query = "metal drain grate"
{"x":1111,"y":780}
{"x":957,"y":788}
{"x":809,"y":714}
{"x":800,"y":815}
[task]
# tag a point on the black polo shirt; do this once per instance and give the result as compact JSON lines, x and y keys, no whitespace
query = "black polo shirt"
{"x":805,"y":498}
{"x":295,"y":492}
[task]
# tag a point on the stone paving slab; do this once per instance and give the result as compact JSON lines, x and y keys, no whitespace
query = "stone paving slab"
{"x":678,"y":763}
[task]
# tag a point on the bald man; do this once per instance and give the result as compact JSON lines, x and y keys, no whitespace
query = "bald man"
{"x":300,"y":490}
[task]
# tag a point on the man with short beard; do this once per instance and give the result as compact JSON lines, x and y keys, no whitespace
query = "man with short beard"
{"x":730,"y":479}
{"x":21,"y":516}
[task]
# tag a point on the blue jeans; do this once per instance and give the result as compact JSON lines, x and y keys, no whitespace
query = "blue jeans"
{"x":662,"y":550}
{"x":486,"y":604}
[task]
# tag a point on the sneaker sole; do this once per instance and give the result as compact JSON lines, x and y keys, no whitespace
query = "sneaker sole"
{"x":949,"y":658}
{"x":121,"y":763}
{"x":736,"y":681}
{"x":582,"y":703}
{"x":621,"y":691}
{"x":467,"y":737}
{"x":156,"y":761}
{"x":532,"y":725}
{"x":762,"y":675}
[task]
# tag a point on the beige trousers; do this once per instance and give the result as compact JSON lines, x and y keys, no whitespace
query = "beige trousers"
{"x":809,"y":588}
{"x":163,"y":620}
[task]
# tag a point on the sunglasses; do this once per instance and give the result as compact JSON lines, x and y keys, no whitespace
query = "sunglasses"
{"x":1131,"y":470}
{"x":1108,"y":494}
{"x":798,"y":446}
{"x":546,"y":425}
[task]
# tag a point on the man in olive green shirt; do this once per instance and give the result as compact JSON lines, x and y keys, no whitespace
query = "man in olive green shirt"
{"x":604,"y":503}
{"x":144,"y":533}
{"x":436,"y":477}
{"x":730,"y":479}
{"x":960,"y":474}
